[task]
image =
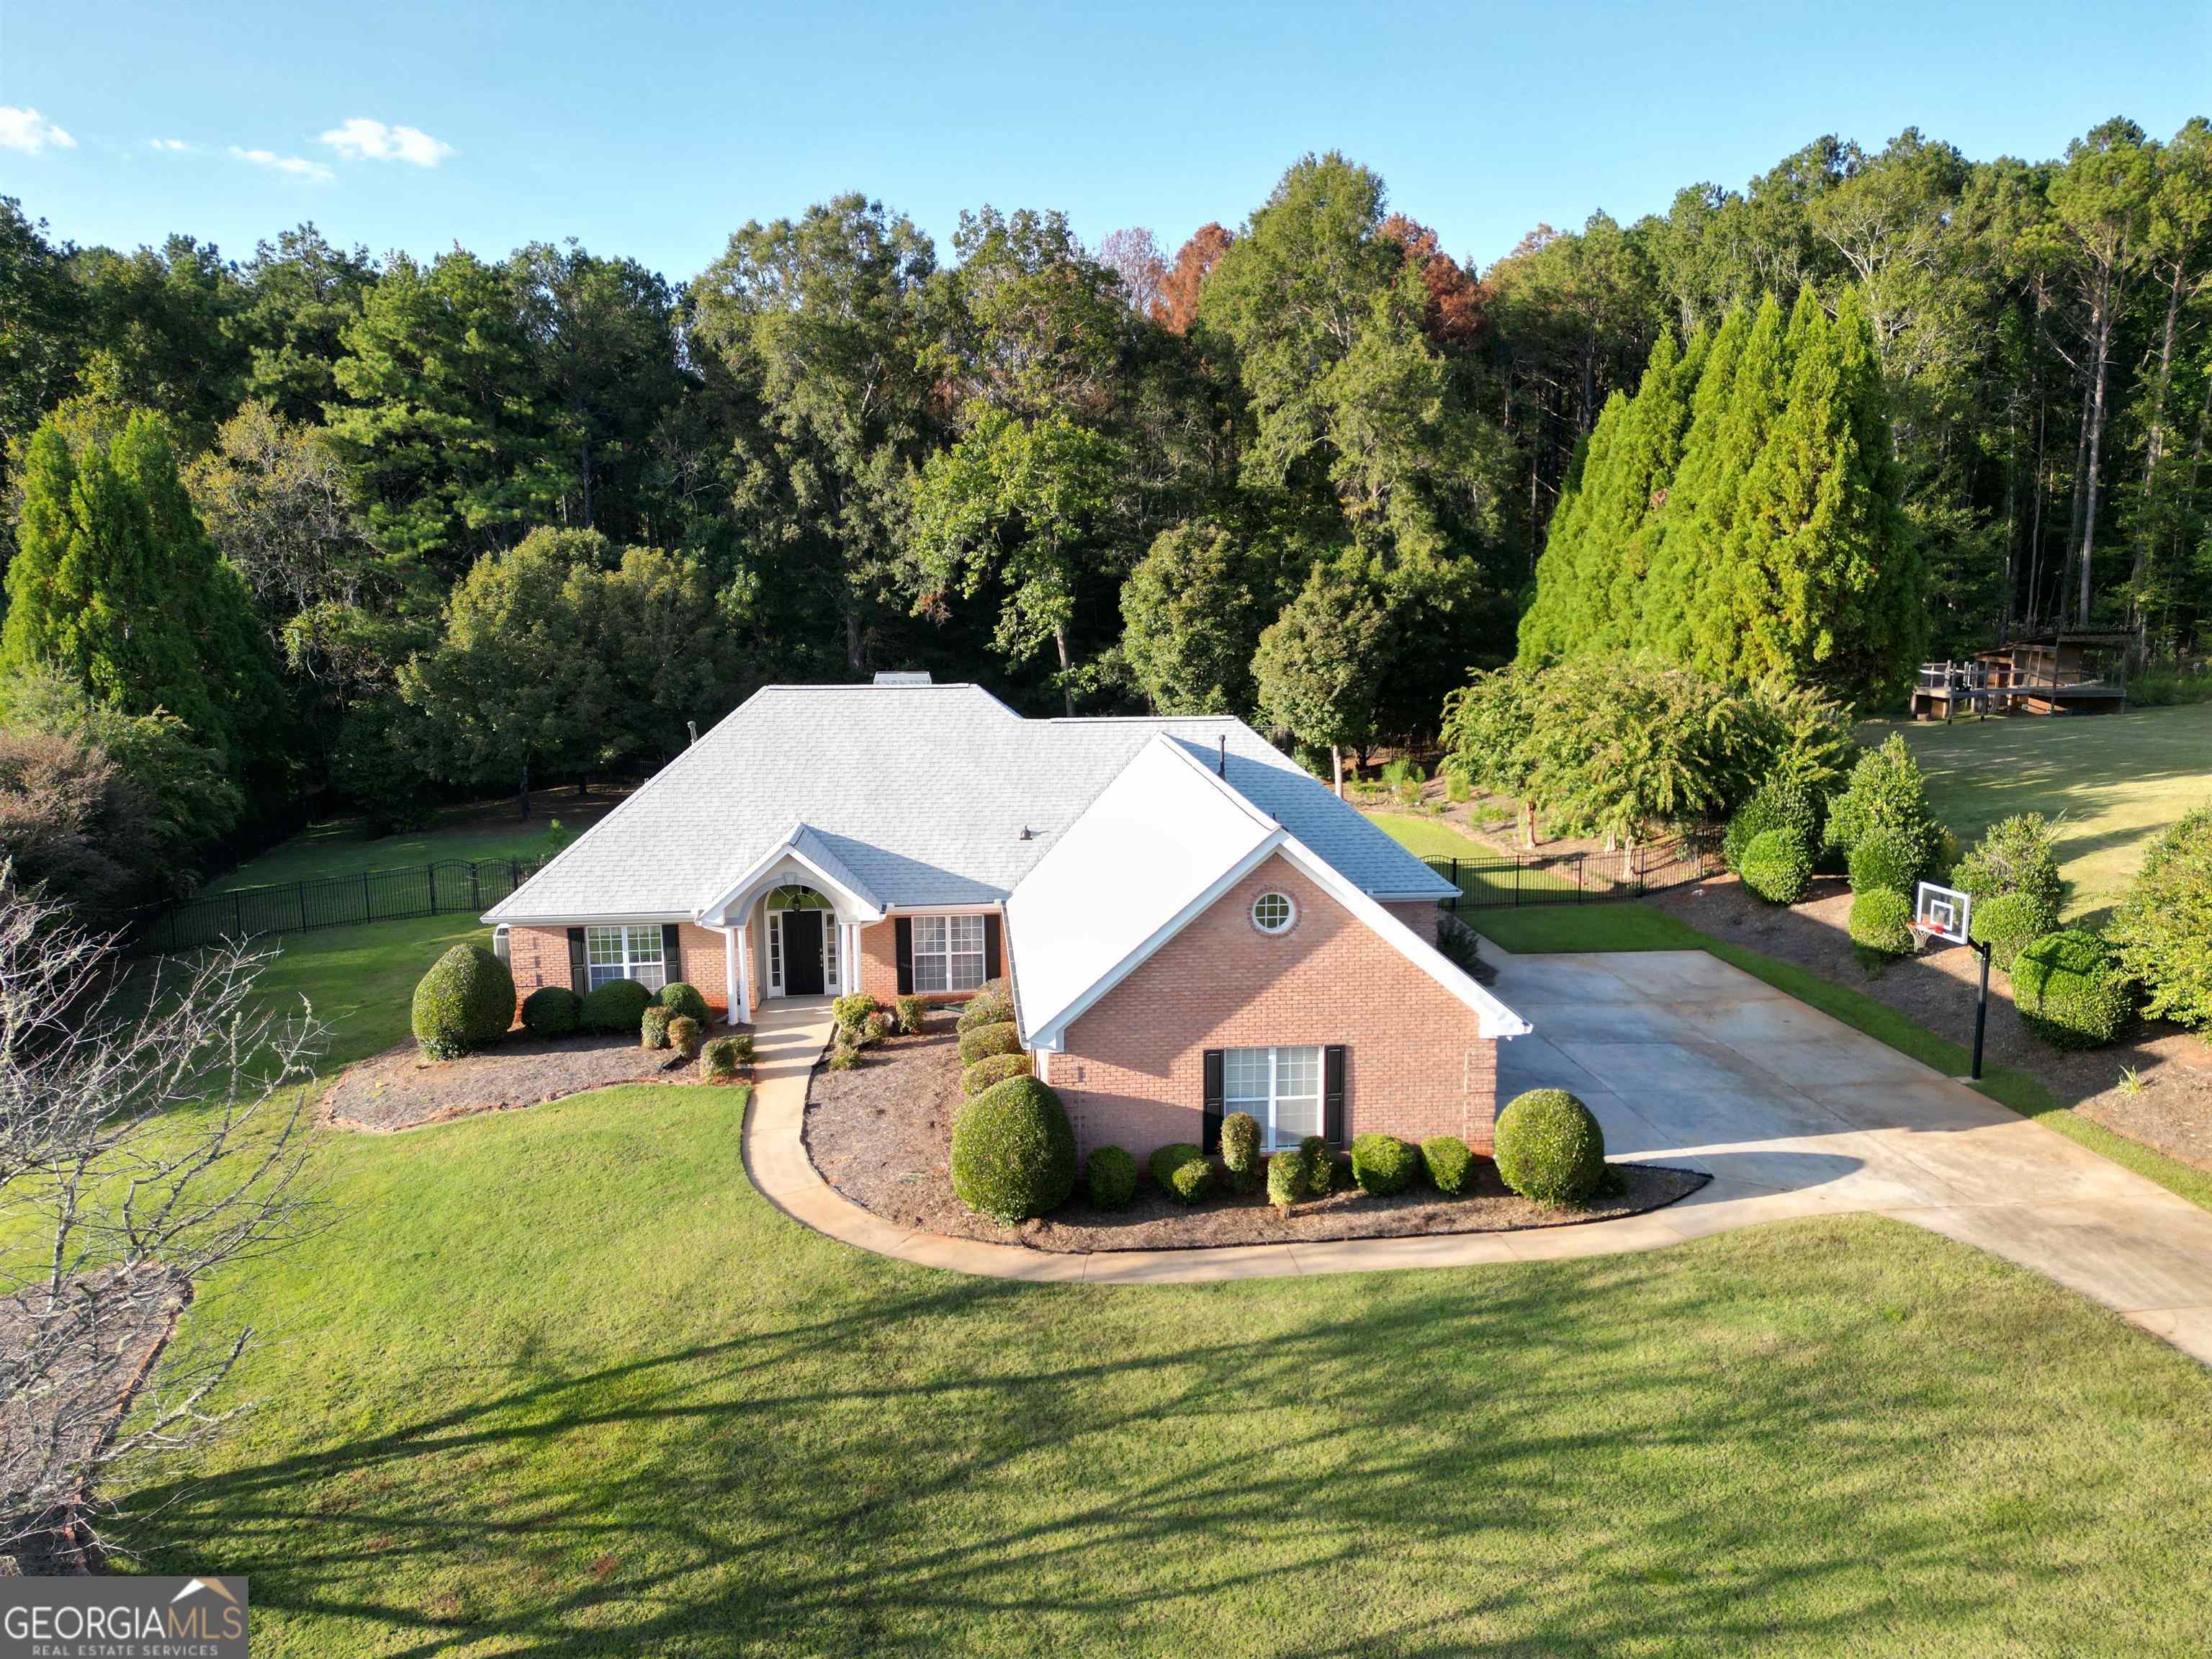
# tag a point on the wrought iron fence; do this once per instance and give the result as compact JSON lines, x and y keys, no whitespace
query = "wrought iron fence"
{"x":1504,"y":880}
{"x":449,"y":885}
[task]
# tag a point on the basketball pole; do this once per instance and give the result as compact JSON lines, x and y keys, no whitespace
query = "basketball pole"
{"x":1981,"y":1006}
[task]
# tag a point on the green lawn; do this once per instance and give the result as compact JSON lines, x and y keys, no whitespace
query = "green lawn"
{"x":2113,"y":781}
{"x":361,"y":981}
{"x":560,"y":1381}
{"x":342,"y":849}
{"x":1432,"y":838}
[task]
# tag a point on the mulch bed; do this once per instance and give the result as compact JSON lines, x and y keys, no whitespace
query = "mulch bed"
{"x":2170,"y":1107}
{"x":882,"y":1135}
{"x":401,"y":1090}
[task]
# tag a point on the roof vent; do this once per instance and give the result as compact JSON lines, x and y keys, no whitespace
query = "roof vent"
{"x":902,"y":677}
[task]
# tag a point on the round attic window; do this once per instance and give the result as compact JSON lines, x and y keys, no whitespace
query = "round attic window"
{"x":1273,"y":913}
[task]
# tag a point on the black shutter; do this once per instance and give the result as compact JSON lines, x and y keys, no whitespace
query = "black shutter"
{"x":580,"y":971}
{"x":1211,"y":1137}
{"x":672,"y":955}
{"x":991,"y":947}
{"x":902,"y":932}
{"x":1332,"y":1093}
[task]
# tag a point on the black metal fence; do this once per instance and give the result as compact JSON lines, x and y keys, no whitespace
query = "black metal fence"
{"x":1503,"y":880}
{"x":450,"y":885}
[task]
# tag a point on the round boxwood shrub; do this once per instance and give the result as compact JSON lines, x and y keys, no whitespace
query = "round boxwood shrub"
{"x":1881,"y":919}
{"x":465,"y":1002}
{"x":684,"y":1000}
{"x":2162,"y":932}
{"x":989,"y":1073}
{"x":720,"y":1057}
{"x":2068,"y":988}
{"x":987,"y":1007}
{"x":1383,"y":1165}
{"x":1885,"y":792}
{"x":852,"y":1012}
{"x":1549,"y":1148}
{"x":1240,"y":1150}
{"x":1776,"y":866}
{"x":1885,"y":858}
{"x":652,"y":1027}
{"x":2008,"y":922}
{"x":1449,"y":1163}
{"x":551,"y":1010}
{"x":1288,"y":1178}
{"x":1320,"y":1165}
{"x":1775,"y":805}
{"x":1014,"y":1151}
{"x":912,"y":1011}
{"x":1182,"y":1172}
{"x":983,"y":1040}
{"x":1110,"y":1178}
{"x":686,"y":1036}
{"x":618,"y":1005}
{"x":876,"y":1027}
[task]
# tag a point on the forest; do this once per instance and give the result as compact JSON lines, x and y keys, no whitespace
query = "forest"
{"x":323,"y":530}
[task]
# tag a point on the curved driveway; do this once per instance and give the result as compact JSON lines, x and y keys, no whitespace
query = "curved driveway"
{"x":1685,"y":1061}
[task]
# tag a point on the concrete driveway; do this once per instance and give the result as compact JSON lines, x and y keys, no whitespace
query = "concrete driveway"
{"x":1687,"y":1060}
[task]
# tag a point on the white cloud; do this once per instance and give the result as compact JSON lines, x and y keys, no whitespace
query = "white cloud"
{"x":29,"y":131}
{"x":298,"y":165}
{"x":363,"y":139}
{"x":171,"y":144}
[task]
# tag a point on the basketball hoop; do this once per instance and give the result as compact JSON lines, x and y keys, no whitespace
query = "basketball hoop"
{"x":1946,"y":913}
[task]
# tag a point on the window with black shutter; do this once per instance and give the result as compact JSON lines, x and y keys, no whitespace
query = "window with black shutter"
{"x":1211,"y":1139}
{"x":671,"y":952}
{"x":1333,"y":1069}
{"x":579,"y":966}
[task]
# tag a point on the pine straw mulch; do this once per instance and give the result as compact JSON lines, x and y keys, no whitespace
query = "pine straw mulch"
{"x":2169,"y":1108}
{"x":882,"y":1135}
{"x":401,"y":1090}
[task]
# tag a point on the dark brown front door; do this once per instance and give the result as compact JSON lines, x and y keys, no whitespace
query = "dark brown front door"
{"x":802,"y":953}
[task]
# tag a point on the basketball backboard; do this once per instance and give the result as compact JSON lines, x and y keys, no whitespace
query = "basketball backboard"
{"x":1943,"y":912}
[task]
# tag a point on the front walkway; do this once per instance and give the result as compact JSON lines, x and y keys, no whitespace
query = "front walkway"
{"x":1685,"y":1061}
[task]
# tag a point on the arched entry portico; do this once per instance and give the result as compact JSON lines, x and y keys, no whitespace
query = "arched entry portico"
{"x":791,"y":923}
{"x":803,"y":938}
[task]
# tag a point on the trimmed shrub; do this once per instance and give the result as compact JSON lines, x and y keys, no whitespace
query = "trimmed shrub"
{"x":2008,"y":923}
{"x":551,"y":1010}
{"x":1240,"y":1150}
{"x":1881,"y":919}
{"x":465,"y":1002}
{"x":1549,"y":1148}
{"x":617,"y":1007}
{"x":1383,"y":1165}
{"x":990,"y":1073}
{"x":1459,"y":945}
{"x":852,"y":1012}
{"x":2018,"y":854}
{"x":912,"y":1011}
{"x":1182,"y":1172}
{"x":652,"y":1027}
{"x":2162,"y":932}
{"x":1014,"y":1151}
{"x":874,"y":1029}
{"x":1110,"y":1178}
{"x":1774,"y":805}
{"x":720,"y":1057}
{"x":843,"y":1058}
{"x":1776,"y":866}
{"x":982,"y":1041}
{"x":686,"y":1036}
{"x":684,"y":1000}
{"x":1885,"y":792}
{"x":1885,"y":858}
{"x":1320,"y":1165}
{"x":988,"y":1006}
{"x":1449,"y":1163}
{"x":1287,"y":1179}
{"x":2070,"y":989}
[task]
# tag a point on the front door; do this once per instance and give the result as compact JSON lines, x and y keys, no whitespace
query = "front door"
{"x":802,"y":953}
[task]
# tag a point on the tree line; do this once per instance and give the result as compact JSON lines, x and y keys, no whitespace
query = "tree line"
{"x":317,"y":525}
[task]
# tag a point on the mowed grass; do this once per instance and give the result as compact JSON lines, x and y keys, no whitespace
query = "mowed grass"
{"x":559,"y":1381}
{"x":343,"y":849}
{"x":1490,"y":872}
{"x":360,"y":982}
{"x":2111,"y":781}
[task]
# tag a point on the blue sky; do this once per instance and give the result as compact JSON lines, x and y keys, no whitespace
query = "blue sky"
{"x":655,"y":128}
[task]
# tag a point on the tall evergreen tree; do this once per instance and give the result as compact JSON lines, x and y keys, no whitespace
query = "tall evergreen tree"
{"x":1758,"y":389}
{"x":1676,"y":564}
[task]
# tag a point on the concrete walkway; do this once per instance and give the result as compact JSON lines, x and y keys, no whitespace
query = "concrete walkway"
{"x":1685,"y":1061}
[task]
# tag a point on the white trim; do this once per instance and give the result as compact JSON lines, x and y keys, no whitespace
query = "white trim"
{"x":1290,"y":913}
{"x":735,"y":992}
{"x":841,"y":893}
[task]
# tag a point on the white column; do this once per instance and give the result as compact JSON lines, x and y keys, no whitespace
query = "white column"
{"x":736,"y":963}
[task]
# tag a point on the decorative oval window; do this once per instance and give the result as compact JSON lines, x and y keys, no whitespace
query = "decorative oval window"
{"x":1273,"y":913}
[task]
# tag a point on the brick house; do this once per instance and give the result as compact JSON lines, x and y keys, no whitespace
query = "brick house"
{"x":1191,"y":924}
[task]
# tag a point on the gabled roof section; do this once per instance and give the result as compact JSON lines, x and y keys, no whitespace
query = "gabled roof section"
{"x":804,"y":851}
{"x":1163,"y":841}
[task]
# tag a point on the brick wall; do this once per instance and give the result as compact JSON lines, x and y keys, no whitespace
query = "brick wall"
{"x":539,"y":957}
{"x":1423,"y":918}
{"x":1132,"y":1072}
{"x":879,"y":964}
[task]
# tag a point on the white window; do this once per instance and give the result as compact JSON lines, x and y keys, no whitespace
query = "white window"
{"x":1273,"y":913}
{"x":948,"y":953}
{"x":625,"y":953}
{"x":1281,"y":1087}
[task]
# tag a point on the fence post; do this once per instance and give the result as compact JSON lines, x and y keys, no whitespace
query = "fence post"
{"x":1518,"y":867}
{"x":475,"y":888}
{"x":1580,"y":895}
{"x":237,"y":915}
{"x":434,"y":886}
{"x":365,"y":914}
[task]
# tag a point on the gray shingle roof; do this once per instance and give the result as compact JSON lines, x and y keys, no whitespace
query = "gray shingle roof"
{"x":921,"y":793}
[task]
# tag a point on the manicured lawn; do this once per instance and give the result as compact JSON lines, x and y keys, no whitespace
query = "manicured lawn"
{"x":2114,"y":780}
{"x":1432,"y":838}
{"x":559,"y":1380}
{"x":361,"y":981}
{"x":341,"y":849}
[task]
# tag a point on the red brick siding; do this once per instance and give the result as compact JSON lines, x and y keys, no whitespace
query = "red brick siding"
{"x":1417,"y":1065}
{"x":879,"y":964}
{"x":1423,"y":917}
{"x":539,"y":957}
{"x":705,"y":967}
